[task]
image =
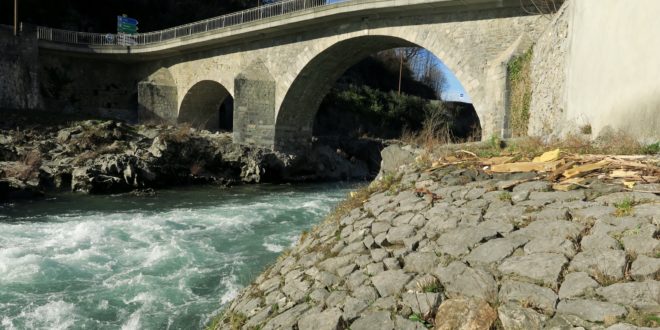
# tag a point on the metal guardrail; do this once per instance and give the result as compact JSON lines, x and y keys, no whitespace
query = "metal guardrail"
{"x":215,"y":23}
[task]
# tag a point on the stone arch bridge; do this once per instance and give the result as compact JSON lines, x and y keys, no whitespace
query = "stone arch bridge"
{"x":278,"y":69}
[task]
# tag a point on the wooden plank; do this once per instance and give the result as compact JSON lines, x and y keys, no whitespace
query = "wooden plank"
{"x":584,"y":169}
{"x":547,"y":156}
{"x":526,"y":167}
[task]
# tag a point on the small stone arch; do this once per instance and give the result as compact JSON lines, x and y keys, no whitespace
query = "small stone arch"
{"x":295,"y":118}
{"x":207,"y":105}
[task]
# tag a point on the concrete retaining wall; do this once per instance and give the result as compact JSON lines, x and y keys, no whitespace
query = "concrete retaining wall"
{"x":19,"y":66}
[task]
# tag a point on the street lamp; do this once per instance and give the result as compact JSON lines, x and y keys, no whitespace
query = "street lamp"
{"x":15,"y":17}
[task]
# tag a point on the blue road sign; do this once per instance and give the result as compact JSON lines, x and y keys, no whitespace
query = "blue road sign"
{"x":126,"y":20}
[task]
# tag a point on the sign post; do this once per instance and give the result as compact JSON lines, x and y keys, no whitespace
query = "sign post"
{"x":15,"y":17}
{"x":126,"y":27}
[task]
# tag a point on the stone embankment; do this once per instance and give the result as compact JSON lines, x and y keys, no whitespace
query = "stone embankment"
{"x":460,"y":248}
{"x":103,"y":157}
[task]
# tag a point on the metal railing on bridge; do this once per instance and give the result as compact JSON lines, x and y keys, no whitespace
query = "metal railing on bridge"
{"x":215,"y":23}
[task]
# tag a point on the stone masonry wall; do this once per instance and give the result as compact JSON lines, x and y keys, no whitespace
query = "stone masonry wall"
{"x":549,"y":73}
{"x":19,"y":87}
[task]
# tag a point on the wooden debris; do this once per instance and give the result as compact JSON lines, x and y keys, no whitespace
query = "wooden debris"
{"x":526,"y":167}
{"x":569,"y":184}
{"x":423,"y":191}
{"x":547,"y":157}
{"x":584,"y":169}
{"x":497,"y":160}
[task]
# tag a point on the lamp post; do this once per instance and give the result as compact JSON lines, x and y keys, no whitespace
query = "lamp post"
{"x":15,"y":17}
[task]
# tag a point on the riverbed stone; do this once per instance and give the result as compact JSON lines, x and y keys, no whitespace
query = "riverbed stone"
{"x":353,"y":307}
{"x":591,"y":310}
{"x":420,"y":262}
{"x":287,"y":319}
{"x":542,"y":267}
{"x":554,"y":244}
{"x":465,"y":314}
{"x":599,"y":242}
{"x":492,"y":251}
{"x":333,"y":264}
{"x":576,"y":284}
{"x":643,"y":295}
{"x":460,"y":280}
{"x":390,"y":282}
{"x":514,"y":317}
{"x":421,"y":303}
{"x":528,"y":294}
{"x":396,"y":235}
{"x":645,"y":268}
{"x":373,"y":320}
{"x":606,"y":264}
{"x":641,"y":245}
{"x":329,"y":319}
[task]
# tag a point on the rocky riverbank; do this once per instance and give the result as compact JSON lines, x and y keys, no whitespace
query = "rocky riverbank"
{"x":460,"y":247}
{"x":101,"y":157}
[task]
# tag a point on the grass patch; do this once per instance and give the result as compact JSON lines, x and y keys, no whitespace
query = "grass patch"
{"x":415,"y":317}
{"x":642,"y":319}
{"x":624,"y":208}
{"x":505,"y":196}
{"x":520,"y":93}
{"x":230,"y":320}
{"x":429,"y":285}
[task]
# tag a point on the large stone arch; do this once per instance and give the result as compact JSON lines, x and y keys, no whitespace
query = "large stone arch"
{"x":158,"y":98}
{"x":321,"y":67}
{"x":201,"y":106}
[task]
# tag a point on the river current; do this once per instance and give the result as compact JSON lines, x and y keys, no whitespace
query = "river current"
{"x":164,"y":262}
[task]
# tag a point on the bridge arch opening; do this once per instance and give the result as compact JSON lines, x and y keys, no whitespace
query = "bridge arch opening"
{"x":207,"y":105}
{"x":299,"y":115}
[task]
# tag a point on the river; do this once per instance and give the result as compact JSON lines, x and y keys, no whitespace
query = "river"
{"x":164,"y":262}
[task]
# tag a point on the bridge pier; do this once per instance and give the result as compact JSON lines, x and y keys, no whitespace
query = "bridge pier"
{"x":254,"y":107}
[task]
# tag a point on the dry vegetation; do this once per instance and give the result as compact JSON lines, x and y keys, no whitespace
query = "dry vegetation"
{"x":520,"y":93}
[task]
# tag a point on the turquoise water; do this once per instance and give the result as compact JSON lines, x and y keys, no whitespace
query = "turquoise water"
{"x":164,"y":262}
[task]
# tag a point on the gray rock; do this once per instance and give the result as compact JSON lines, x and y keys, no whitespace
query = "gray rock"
{"x":641,"y":245}
{"x":346,"y":270}
{"x":552,"y":244}
{"x":529,"y":295}
{"x":542,"y":267}
{"x":336,"y":298}
{"x":318,"y":296}
{"x":379,"y":227}
{"x":373,"y":320}
{"x":259,"y":317}
{"x":459,"y":241}
{"x":554,"y":196}
{"x":366,"y":293}
{"x":551,"y":228}
{"x":645,"y":268}
{"x":461,"y":280}
{"x":440,"y":223}
{"x":391,"y":263}
{"x":288,"y":318}
{"x":533,"y":186}
{"x":636,"y":294}
{"x":637,"y":197}
{"x":492,"y":251}
{"x":390,"y":282}
{"x":591,"y":310}
{"x":396,"y":235}
{"x":625,"y":326}
{"x":353,"y":248}
{"x":421,"y":303}
{"x":405,"y":324}
{"x":363,"y":260}
{"x":576,"y":285}
{"x":599,"y":242}
{"x":600,"y":264}
{"x":385,"y":303}
{"x":375,"y":268}
{"x":514,"y":317}
{"x":353,"y":307}
{"x":378,"y":254}
{"x":329,"y":319}
{"x":356,"y":280}
{"x":333,"y":264}
{"x":420,"y":262}
{"x":403,"y":219}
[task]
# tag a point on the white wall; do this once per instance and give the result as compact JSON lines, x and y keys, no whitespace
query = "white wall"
{"x":614,"y":66}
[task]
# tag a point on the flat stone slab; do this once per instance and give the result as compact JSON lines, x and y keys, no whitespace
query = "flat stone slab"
{"x":373,"y":320}
{"x":553,"y":244}
{"x":576,"y":284}
{"x":330,"y":319}
{"x":390,"y":282}
{"x":637,"y":294}
{"x":541,"y":298}
{"x":420,"y":262}
{"x":490,"y":252}
{"x":645,"y":268}
{"x":461,"y":313}
{"x":607,"y":264}
{"x":591,"y":310}
{"x":461,"y":280}
{"x":515,"y":317}
{"x":542,"y":267}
